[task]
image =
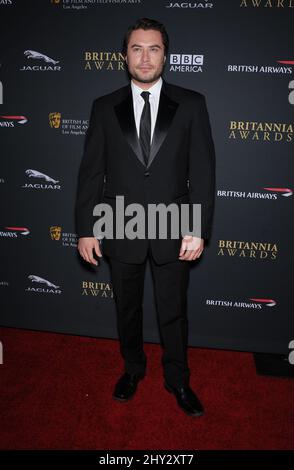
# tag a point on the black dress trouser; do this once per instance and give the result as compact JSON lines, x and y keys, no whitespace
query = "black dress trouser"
{"x":171,"y":284}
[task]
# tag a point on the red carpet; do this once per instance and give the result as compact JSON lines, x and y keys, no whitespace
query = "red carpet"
{"x":56,"y":394}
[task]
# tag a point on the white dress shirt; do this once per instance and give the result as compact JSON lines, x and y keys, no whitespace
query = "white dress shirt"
{"x":138,"y":103}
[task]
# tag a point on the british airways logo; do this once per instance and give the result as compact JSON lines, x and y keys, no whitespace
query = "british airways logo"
{"x":10,"y":121}
{"x":14,"y":232}
{"x":254,"y":303}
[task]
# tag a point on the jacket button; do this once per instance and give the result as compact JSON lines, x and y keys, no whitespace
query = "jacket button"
{"x":146,"y":173}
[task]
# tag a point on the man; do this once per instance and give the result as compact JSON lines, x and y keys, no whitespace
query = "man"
{"x":151,"y":143}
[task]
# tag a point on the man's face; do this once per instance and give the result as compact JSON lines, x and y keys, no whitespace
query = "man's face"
{"x":145,"y":55}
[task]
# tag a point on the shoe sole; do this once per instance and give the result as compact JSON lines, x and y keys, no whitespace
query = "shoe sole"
{"x":195,"y":415}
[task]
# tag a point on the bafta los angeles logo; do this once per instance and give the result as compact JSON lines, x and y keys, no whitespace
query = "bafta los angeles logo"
{"x":55,"y":120}
{"x":68,"y":126}
{"x":55,"y":232}
{"x":66,"y":239}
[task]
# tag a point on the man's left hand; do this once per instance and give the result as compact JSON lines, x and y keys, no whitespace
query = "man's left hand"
{"x":191,"y":248}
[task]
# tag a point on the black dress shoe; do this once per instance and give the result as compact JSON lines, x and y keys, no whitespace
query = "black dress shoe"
{"x":187,"y":400}
{"x":126,"y":386}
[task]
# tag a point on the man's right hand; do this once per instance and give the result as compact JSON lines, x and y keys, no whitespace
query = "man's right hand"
{"x":86,"y":245}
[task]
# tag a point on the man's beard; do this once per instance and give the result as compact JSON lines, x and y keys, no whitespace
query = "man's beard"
{"x":151,"y":79}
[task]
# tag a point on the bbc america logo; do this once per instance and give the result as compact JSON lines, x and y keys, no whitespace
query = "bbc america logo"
{"x":186,"y":62}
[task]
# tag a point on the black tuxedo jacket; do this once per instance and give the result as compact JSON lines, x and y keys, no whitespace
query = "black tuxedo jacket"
{"x":181,"y":166}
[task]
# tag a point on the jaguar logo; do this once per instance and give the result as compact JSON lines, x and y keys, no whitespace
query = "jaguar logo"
{"x":38,"y":55}
{"x":34,"y":278}
{"x":37,"y":174}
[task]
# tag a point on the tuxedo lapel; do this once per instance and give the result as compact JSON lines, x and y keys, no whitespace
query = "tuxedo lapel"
{"x":166,"y":111}
{"x":125,"y":115}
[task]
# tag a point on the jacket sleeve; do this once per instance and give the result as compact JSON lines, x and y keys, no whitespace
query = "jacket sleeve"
{"x":202,"y":165}
{"x":91,"y":173}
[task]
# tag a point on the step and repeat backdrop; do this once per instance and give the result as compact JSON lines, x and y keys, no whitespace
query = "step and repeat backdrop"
{"x":56,"y":57}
